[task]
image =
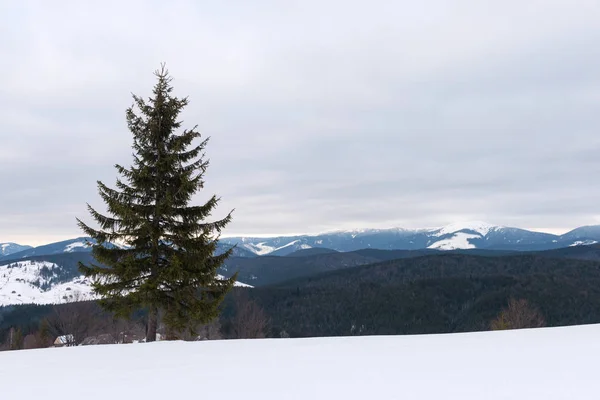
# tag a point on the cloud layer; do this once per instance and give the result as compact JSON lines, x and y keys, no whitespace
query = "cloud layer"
{"x":322,"y":115}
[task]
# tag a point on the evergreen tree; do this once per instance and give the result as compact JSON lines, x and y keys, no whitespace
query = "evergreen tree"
{"x":165,"y":258}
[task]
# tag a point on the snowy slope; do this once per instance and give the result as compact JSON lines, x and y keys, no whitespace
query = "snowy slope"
{"x":545,"y":364}
{"x":26,"y":282}
{"x":459,"y":240}
{"x":76,"y":246}
{"x":263,"y":248}
{"x":479,"y":227}
{"x":583,"y":243}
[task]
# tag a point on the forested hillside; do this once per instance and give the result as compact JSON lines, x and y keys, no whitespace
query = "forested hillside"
{"x":432,"y":294}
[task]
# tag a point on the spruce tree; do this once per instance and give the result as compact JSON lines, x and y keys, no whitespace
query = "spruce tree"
{"x":165,"y":258}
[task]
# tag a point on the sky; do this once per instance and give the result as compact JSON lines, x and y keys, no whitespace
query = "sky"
{"x":322,"y":115}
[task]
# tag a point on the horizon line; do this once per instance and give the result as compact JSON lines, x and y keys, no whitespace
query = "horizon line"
{"x":553,"y":231}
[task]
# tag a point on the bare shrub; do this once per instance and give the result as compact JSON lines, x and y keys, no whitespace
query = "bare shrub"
{"x":518,"y":315}
{"x":74,"y":321}
{"x":30,"y":342}
{"x":209,"y":331}
{"x":123,"y":330}
{"x":249,"y":321}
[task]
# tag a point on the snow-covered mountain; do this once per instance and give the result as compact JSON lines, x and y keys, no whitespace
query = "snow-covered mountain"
{"x":467,"y":235}
{"x":65,"y":246}
{"x":11,"y":248}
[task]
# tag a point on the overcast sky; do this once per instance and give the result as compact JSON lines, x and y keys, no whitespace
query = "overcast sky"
{"x":322,"y":114}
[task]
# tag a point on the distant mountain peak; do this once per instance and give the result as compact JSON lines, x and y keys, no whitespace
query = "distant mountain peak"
{"x":481,"y":227}
{"x":11,"y":248}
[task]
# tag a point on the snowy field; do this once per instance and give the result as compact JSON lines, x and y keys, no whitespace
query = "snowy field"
{"x":551,"y":363}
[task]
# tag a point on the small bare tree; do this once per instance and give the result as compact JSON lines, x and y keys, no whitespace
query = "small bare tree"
{"x":123,"y":330}
{"x":250,"y":320}
{"x":31,"y":342}
{"x":210,"y":331}
{"x":76,"y":320}
{"x":518,"y":315}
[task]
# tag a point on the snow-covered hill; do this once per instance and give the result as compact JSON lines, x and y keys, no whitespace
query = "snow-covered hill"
{"x":43,"y":282}
{"x":7,"y":249}
{"x":545,"y":364}
{"x":25,"y":282}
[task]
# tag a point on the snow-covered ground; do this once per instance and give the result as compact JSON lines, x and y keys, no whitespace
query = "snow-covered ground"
{"x":74,"y":246}
{"x":483,"y":228}
{"x":22,"y":283}
{"x":262,"y":249}
{"x":459,"y":240}
{"x":545,"y":364}
{"x":583,"y":243}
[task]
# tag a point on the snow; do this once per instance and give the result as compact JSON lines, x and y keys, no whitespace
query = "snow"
{"x":548,"y":364}
{"x":357,"y":232}
{"x":237,"y":283}
{"x":459,"y":240}
{"x":71,"y":247}
{"x":583,"y":243}
{"x":259,"y":248}
{"x":262,"y":248}
{"x":16,"y":284}
{"x":483,"y":228}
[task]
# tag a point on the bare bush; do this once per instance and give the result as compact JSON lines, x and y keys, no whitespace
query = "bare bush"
{"x":518,"y":315}
{"x":74,"y":321}
{"x":209,"y":331}
{"x":250,"y":321}
{"x":123,"y":330}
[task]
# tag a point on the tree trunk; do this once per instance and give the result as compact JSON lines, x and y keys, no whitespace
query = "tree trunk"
{"x":152,"y":324}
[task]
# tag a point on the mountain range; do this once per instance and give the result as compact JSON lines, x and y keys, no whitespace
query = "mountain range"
{"x":468,"y":235}
{"x":49,"y":273}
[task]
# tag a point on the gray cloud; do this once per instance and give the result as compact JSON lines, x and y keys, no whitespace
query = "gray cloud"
{"x":322,"y":115}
